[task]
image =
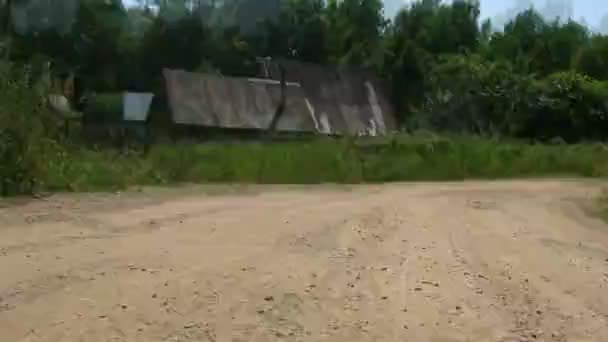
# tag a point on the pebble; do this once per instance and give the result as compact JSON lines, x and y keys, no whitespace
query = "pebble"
{"x":190,"y":325}
{"x":269,"y":298}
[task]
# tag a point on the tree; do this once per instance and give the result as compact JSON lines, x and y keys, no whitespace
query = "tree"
{"x":300,"y":32}
{"x":421,"y":33}
{"x":591,"y":59}
{"x":355,"y":29}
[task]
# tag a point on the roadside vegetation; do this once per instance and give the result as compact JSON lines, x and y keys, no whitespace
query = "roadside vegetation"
{"x":601,"y":208}
{"x":528,"y":99}
{"x":400,"y":158}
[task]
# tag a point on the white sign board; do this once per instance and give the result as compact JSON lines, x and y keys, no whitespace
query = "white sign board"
{"x":136,"y":106}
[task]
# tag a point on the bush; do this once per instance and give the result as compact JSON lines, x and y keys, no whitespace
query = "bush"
{"x":25,"y":131}
{"x":569,"y":105}
{"x":473,"y":95}
{"x":104,"y":108}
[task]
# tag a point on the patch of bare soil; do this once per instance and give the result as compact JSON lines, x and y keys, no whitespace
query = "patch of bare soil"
{"x":503,"y":261}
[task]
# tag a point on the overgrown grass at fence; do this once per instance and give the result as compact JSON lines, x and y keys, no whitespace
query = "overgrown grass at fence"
{"x":402,"y":158}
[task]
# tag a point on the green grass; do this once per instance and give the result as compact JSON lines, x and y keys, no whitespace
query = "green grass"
{"x":402,"y":158}
{"x":601,"y":208}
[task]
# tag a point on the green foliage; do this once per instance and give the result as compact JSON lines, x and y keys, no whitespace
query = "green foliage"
{"x":26,"y":130}
{"x":401,"y":158}
{"x":534,"y":45}
{"x":104,"y":107}
{"x":601,"y":208}
{"x":591,"y":59}
{"x":418,"y":36}
{"x":473,"y":95}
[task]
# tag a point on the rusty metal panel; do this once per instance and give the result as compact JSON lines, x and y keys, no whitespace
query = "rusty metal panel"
{"x":319,"y":99}
{"x":214,"y":101}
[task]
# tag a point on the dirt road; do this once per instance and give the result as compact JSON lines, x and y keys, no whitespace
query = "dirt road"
{"x":504,"y":261}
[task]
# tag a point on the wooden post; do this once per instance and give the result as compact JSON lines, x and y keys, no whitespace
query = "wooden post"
{"x":281,"y":107}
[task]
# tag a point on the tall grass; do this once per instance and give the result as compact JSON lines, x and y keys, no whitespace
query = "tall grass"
{"x":403,"y":158}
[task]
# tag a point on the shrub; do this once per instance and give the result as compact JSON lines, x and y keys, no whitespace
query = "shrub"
{"x":25,"y":131}
{"x":472,"y":95}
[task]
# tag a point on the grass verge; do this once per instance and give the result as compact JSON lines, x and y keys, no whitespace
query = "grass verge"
{"x":403,"y":158}
{"x":602,"y":206}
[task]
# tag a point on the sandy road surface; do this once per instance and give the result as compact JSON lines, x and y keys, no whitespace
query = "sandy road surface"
{"x":506,"y":261}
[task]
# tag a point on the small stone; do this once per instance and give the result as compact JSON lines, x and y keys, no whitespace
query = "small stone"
{"x":190,"y":325}
{"x":405,"y":327}
{"x":384,"y":297}
{"x":418,"y":289}
{"x":458,"y":307}
{"x":154,"y":295}
{"x":102,"y":316}
{"x":124,"y":306}
{"x":261,"y":311}
{"x":269,"y":298}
